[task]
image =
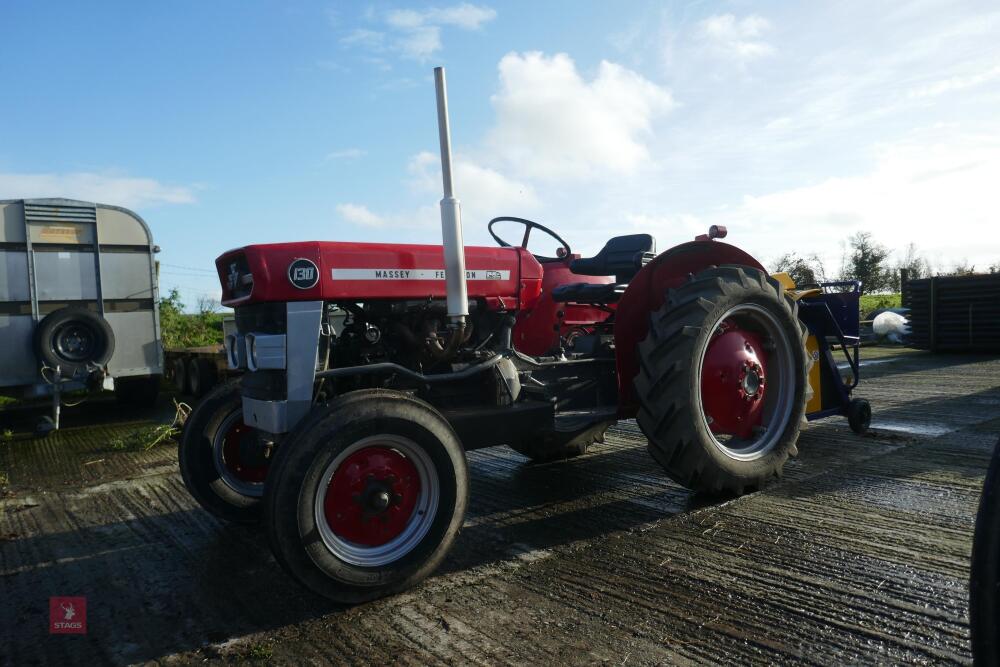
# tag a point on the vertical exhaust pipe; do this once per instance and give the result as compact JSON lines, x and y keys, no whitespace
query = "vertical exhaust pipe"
{"x":451,"y":216}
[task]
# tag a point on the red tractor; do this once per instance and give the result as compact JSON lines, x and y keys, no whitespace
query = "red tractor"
{"x":371,"y":368}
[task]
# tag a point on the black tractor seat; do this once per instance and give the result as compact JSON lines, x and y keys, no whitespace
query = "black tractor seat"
{"x":621,"y":257}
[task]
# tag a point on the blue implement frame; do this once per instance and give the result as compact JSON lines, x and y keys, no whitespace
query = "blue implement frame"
{"x":833,"y":318}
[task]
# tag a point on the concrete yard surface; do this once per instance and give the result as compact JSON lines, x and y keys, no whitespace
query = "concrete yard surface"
{"x":859,"y":555}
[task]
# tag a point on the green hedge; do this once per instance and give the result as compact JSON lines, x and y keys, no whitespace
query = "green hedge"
{"x":870,"y":302}
{"x":180,"y":329}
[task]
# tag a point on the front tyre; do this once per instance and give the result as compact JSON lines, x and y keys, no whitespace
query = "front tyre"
{"x":722,"y":380}
{"x":223,"y":461}
{"x":366,"y":496}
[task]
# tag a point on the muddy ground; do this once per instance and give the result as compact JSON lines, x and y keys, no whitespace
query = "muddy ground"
{"x":859,"y":555}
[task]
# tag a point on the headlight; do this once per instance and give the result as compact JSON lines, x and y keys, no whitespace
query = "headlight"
{"x":265,"y":352}
{"x":235,"y":352}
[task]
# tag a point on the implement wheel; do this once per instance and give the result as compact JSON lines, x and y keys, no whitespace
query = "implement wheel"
{"x":222,"y":460}
{"x":366,"y":495}
{"x":859,"y":415}
{"x":722,"y":380}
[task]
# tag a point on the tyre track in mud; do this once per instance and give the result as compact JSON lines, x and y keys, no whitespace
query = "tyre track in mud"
{"x":859,"y":555}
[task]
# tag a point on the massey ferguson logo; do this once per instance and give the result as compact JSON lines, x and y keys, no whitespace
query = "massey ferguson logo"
{"x":303,"y":273}
{"x":234,"y":277}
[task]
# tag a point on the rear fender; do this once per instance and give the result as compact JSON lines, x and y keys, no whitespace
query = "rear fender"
{"x":646,"y":293}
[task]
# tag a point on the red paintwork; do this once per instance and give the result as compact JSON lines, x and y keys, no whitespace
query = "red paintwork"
{"x":268,"y":264}
{"x":527,"y":290}
{"x":645,"y":295}
{"x":368,"y":469}
{"x":535,"y":331}
{"x":231,"y":456}
{"x":731,"y":355}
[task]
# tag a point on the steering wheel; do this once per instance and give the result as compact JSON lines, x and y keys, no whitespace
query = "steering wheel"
{"x":563,"y":250}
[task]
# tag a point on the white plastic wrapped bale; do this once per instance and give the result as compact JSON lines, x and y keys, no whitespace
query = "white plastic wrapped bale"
{"x":891,"y":326}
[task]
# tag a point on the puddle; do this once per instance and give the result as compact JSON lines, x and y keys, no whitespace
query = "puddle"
{"x":932,"y":429}
{"x":869,"y":362}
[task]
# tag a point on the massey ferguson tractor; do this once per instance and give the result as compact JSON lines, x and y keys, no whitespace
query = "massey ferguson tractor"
{"x":372,"y":368}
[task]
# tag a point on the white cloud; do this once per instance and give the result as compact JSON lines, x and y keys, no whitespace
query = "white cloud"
{"x":552,"y":124}
{"x":346,"y":154}
{"x":417,"y":34}
{"x":359,"y":214}
{"x":369,"y":39}
{"x":956,"y":83}
{"x":465,"y":16}
{"x":404,"y":19}
{"x":103,"y":188}
{"x":420,"y":43}
{"x":480,"y":188}
{"x":690,"y":225}
{"x":738,"y":39}
{"x":940,"y":195}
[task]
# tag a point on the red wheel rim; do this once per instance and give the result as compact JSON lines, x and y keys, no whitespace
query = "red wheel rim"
{"x":371,"y":496}
{"x":734,"y":381}
{"x":232,"y":455}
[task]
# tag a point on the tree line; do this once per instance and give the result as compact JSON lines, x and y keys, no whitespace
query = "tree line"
{"x":868,"y":261}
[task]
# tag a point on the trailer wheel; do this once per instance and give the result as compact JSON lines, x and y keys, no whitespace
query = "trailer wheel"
{"x":557,"y":445}
{"x":859,"y":415}
{"x":74,"y":339}
{"x":366,"y":495}
{"x":180,"y":376}
{"x":722,"y":380}
{"x":222,"y":461}
{"x":201,"y":376}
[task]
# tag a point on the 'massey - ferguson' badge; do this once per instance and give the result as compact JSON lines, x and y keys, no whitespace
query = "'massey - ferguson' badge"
{"x":303,"y":273}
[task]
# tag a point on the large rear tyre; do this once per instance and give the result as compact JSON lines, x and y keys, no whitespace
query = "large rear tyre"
{"x":558,"y":445}
{"x":722,"y":381}
{"x":366,"y":496}
{"x":223,"y":462}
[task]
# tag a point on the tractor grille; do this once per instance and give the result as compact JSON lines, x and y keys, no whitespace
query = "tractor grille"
{"x":267,"y":318}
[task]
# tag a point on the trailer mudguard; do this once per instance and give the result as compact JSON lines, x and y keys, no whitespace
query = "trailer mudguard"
{"x":645,"y":295}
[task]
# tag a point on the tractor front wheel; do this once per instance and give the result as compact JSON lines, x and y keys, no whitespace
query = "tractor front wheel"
{"x":223,"y":461}
{"x":366,"y":495}
{"x":723,"y":379}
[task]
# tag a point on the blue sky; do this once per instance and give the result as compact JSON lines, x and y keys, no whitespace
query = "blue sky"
{"x":794,"y":124}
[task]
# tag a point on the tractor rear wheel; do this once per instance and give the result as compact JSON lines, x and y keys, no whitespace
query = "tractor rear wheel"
{"x":723,"y":379}
{"x":222,"y":461}
{"x":559,"y":445}
{"x":366,"y":495}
